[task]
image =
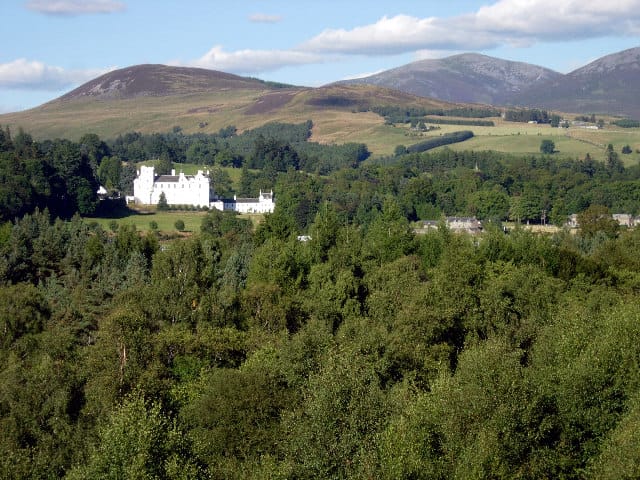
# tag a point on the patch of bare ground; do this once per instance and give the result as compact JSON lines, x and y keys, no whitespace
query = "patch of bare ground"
{"x":205,"y":109}
{"x":269,"y":102}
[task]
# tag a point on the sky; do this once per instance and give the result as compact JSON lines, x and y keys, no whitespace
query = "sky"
{"x":50,"y":47}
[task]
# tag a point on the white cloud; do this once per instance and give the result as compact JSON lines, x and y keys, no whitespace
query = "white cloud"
{"x":361,"y":75}
{"x":399,"y":34}
{"x":506,"y":22}
{"x":33,"y":75}
{"x":433,"y":54}
{"x":75,"y":7}
{"x":554,"y":20}
{"x":253,"y":61}
{"x":264,"y":18}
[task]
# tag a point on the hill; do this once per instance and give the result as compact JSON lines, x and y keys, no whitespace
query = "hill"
{"x":469,"y":78}
{"x":156,"y":98}
{"x":159,"y":81}
{"x":608,"y":85}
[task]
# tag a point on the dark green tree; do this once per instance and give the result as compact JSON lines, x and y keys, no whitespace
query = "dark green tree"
{"x":164,"y":165}
{"x":162,"y":202}
{"x":613,"y":162}
{"x":547,"y":147}
{"x":109,"y":172}
{"x":597,"y":218}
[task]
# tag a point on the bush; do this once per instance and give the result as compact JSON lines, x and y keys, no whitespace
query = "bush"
{"x":162,"y":202}
{"x":547,"y":147}
{"x":179,"y":225}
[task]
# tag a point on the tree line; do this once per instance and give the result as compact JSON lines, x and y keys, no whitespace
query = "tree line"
{"x":57,"y":174}
{"x":63,"y":176}
{"x":275,"y":144}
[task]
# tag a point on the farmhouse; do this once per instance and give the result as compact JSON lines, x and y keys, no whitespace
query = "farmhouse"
{"x":464,"y":224}
{"x":455,"y":224}
{"x":263,"y":204}
{"x":623,"y":219}
{"x":193,"y":190}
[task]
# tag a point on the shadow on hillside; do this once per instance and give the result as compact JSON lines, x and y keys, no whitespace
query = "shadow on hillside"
{"x":118,"y":209}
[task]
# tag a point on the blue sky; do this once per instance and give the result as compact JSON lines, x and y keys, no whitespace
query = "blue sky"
{"x":52,"y":46}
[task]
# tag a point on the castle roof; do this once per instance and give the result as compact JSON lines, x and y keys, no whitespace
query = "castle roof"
{"x":172,"y":178}
{"x":167,"y":178}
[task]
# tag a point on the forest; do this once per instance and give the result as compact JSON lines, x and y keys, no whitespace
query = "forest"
{"x":366,"y":352}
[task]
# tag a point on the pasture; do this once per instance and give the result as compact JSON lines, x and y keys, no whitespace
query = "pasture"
{"x":523,"y":138}
{"x":142,"y":219}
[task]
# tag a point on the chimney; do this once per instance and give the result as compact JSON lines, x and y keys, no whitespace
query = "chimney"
{"x":173,"y":172}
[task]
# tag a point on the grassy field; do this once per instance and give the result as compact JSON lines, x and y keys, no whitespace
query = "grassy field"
{"x":165,"y":220}
{"x":142,"y":220}
{"x":523,"y":138}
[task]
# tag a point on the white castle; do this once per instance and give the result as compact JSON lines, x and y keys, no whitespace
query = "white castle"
{"x":194,"y":190}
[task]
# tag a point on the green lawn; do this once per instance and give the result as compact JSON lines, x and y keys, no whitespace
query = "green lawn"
{"x":165,"y":220}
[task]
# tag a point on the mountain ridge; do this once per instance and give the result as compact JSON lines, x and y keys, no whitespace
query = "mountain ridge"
{"x":608,"y":85}
{"x":156,"y":98}
{"x":467,"y":77}
{"x":159,"y":80}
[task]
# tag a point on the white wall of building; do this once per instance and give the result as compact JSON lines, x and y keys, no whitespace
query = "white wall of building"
{"x":178,"y":189}
{"x":194,"y":190}
{"x":263,"y":204}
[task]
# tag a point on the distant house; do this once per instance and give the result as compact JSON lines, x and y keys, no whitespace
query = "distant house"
{"x":464,"y":224}
{"x":572,"y":221}
{"x":623,"y":219}
{"x":263,"y":204}
{"x":455,"y":224}
{"x":429,"y":224}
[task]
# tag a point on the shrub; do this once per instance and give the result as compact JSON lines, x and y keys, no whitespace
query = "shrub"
{"x":162,"y":202}
{"x":547,"y":147}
